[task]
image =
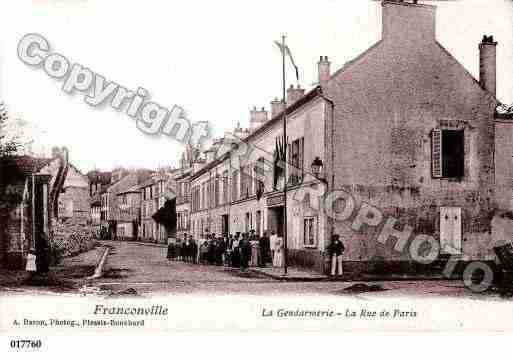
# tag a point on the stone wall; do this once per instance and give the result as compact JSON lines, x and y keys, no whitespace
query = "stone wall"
{"x":387,"y":102}
{"x":73,"y":232}
{"x":72,"y":238}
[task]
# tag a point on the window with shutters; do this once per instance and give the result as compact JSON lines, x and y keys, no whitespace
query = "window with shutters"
{"x":296,"y":155}
{"x":309,"y":232}
{"x":245,"y":182}
{"x":235,"y":184}
{"x":259,"y":177}
{"x":225,"y":187}
{"x":448,"y":153}
{"x":217,"y":188}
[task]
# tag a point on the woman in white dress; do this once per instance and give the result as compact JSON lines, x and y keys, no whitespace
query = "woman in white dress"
{"x":278,"y":253}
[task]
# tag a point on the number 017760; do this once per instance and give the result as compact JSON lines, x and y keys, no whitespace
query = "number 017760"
{"x":26,"y":344}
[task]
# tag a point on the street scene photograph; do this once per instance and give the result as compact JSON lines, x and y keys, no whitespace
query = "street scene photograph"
{"x":329,"y":152}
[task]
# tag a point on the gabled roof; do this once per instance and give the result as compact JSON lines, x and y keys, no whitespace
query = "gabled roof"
{"x":148,"y":182}
{"x":19,"y":167}
{"x":309,"y":96}
{"x":99,"y":177}
{"x":476,"y":82}
{"x":133,"y":189}
{"x":349,"y":63}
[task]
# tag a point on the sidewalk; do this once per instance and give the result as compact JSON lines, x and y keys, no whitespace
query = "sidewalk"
{"x":302,"y":275}
{"x":9,"y":277}
{"x":293,"y":274}
{"x":80,"y":266}
{"x":67,"y":273}
{"x":161,"y":245}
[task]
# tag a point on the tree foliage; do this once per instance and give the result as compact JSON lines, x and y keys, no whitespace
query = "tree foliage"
{"x":8,"y":144}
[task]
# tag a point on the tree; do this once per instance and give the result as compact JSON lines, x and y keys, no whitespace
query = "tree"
{"x":9,"y":143}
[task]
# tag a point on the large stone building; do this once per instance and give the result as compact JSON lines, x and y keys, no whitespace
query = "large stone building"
{"x":404,"y":130}
{"x":412,"y":133}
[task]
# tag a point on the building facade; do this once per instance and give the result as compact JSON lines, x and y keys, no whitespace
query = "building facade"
{"x":129,"y":214}
{"x":113,"y":205}
{"x":403,"y":130}
{"x":154,"y":193}
{"x":98,"y":184}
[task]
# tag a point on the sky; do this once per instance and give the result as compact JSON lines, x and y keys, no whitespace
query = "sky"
{"x":216,"y":59}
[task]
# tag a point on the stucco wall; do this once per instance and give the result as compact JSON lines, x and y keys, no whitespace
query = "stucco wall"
{"x":386,"y":103}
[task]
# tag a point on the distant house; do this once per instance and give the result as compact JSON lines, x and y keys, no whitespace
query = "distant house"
{"x":128,"y":213}
{"x":98,"y":184}
{"x":112,"y":200}
{"x":154,"y":193}
{"x":74,"y":206}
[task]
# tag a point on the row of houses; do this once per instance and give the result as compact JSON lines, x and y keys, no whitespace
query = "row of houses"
{"x":48,"y":206}
{"x":403,"y":127}
{"x":125,"y":203}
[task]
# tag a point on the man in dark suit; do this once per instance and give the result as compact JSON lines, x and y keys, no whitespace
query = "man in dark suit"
{"x":245,"y":252}
{"x":335,"y":250}
{"x":265,"y":250}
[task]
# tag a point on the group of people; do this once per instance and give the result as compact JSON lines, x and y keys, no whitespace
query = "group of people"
{"x":243,"y":250}
{"x":239,"y":250}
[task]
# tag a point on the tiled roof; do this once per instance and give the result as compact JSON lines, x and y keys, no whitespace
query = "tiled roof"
{"x":101,"y":177}
{"x":17,"y":167}
{"x":133,"y":189}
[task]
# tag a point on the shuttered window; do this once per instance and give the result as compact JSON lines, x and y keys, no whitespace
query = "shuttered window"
{"x":235,"y":184}
{"x":296,"y":159}
{"x":436,"y":153}
{"x":448,"y":153}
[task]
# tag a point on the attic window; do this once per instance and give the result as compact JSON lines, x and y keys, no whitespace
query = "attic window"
{"x":448,"y":153}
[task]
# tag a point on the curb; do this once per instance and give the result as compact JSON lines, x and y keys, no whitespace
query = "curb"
{"x":352,"y":279}
{"x":290,"y":278}
{"x":98,"y":271}
{"x":148,"y":244}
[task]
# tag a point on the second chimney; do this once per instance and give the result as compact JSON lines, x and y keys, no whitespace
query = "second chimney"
{"x":294,"y":94}
{"x":276,"y":107}
{"x":488,"y":64}
{"x":324,"y":69}
{"x":257,"y":117}
{"x":210,"y":154}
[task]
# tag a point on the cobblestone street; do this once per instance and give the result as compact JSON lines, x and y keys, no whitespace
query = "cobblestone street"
{"x":145,"y":269}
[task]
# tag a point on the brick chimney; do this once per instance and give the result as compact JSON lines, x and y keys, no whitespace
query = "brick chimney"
{"x":239,"y":131}
{"x":56,"y":151}
{"x":276,"y":107}
{"x":324,"y":69}
{"x":294,"y":94}
{"x":488,"y":64}
{"x":209,"y":153}
{"x":408,"y":21}
{"x":257,"y":118}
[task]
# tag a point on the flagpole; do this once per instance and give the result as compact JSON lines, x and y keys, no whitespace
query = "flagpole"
{"x":285,"y":249}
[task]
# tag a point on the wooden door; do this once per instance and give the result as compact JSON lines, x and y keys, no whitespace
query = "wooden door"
{"x":450,"y":230}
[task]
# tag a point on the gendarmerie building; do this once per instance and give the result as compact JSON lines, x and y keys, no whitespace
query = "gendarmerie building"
{"x":403,"y":127}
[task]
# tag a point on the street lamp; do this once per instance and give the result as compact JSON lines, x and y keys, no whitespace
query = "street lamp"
{"x":317,"y":167}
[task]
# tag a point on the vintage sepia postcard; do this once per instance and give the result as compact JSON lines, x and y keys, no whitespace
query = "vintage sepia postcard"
{"x":260,"y":166}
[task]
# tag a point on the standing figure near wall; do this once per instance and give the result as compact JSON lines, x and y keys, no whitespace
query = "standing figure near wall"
{"x":278,"y":253}
{"x":254,"y":252}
